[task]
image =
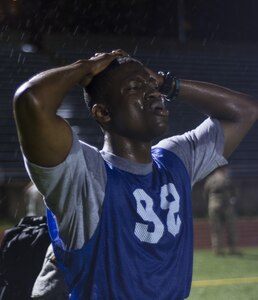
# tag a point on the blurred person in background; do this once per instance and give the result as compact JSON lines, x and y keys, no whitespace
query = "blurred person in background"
{"x":221,"y":194}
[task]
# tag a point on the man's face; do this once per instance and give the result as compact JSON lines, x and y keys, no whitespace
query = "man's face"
{"x":136,"y":107}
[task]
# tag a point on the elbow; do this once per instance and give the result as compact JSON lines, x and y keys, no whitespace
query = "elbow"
{"x":244,"y":111}
{"x":249,"y":113}
{"x":22,"y":92}
{"x":23,"y":100}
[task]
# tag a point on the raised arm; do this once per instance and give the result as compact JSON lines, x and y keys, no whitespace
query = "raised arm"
{"x":237,"y":112}
{"x":44,"y":136}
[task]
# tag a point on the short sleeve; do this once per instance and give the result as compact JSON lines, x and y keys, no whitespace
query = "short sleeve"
{"x":73,"y":190}
{"x":201,"y":149}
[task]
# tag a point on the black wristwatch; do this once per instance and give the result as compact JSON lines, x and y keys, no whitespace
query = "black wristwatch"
{"x":170,"y":86}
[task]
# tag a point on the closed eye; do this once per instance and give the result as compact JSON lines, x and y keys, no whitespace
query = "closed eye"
{"x":134,"y":85}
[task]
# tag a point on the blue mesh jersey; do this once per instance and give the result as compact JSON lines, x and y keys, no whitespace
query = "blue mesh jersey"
{"x":143,"y":244}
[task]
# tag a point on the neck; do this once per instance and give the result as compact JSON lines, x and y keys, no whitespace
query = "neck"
{"x":137,"y":151}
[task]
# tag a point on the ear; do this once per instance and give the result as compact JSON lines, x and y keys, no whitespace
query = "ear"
{"x":100,"y":113}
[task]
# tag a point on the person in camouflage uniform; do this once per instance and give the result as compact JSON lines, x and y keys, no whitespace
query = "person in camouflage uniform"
{"x":221,"y":194}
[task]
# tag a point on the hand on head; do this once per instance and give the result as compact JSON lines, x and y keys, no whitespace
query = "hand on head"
{"x":118,"y":52}
{"x":99,"y":62}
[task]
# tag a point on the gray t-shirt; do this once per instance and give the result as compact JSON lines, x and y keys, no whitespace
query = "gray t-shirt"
{"x":75,"y":189}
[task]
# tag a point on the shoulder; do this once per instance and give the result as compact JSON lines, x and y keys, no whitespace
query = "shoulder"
{"x":81,"y":159}
{"x":171,"y":161}
{"x":199,"y":149}
{"x":207,"y":130}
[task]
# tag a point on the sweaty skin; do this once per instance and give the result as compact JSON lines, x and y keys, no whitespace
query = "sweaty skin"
{"x":46,"y":138}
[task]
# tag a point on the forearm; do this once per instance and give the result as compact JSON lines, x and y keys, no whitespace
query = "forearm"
{"x":218,"y":102}
{"x":45,"y":137}
{"x":46,"y":90}
{"x":236,"y":112}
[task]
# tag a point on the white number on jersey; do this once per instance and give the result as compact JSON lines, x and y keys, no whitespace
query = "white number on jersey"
{"x":145,"y":209}
{"x":173,"y":220}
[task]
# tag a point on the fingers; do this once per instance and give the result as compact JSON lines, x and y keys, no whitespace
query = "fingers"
{"x":99,"y":62}
{"x":120,"y":52}
{"x":98,"y":54}
{"x":114,"y":53}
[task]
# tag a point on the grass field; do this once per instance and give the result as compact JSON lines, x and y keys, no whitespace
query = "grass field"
{"x":225,"y":277}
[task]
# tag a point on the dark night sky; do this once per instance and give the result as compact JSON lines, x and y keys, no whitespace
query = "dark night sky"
{"x":231,"y":20}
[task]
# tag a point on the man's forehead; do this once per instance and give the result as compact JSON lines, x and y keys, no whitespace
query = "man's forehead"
{"x":131,"y":69}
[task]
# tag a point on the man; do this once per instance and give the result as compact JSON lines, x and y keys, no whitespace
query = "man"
{"x":221,"y":194}
{"x":120,"y":219}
